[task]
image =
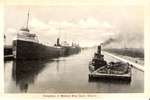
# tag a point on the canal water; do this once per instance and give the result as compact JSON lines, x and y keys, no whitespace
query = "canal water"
{"x":64,"y":75}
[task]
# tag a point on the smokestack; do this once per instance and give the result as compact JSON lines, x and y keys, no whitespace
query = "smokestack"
{"x":58,"y":44}
{"x":99,"y":50}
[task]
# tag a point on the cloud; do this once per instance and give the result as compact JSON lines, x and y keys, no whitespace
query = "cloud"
{"x":106,"y":25}
{"x":67,"y":24}
{"x":72,"y":30}
{"x":89,"y":23}
{"x":11,"y":30}
{"x":10,"y":34}
{"x":35,"y":23}
{"x":86,"y":23}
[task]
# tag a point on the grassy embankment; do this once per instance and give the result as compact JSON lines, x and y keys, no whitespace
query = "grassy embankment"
{"x":133,"y":54}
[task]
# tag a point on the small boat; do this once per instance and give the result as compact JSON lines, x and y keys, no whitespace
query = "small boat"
{"x":97,"y":61}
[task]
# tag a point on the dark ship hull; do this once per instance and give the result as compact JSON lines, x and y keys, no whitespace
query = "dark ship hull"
{"x":27,"y":50}
{"x":8,"y":53}
{"x":68,"y":50}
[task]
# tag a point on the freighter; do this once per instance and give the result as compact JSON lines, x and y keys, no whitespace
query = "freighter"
{"x":27,"y":46}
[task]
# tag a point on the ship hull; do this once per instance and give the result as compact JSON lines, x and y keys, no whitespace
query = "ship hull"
{"x":26,"y":50}
{"x":31,"y":50}
{"x":69,"y":50}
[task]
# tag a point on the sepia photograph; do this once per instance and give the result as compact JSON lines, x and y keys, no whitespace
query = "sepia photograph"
{"x":68,"y":48}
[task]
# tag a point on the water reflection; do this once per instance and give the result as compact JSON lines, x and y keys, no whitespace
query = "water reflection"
{"x":110,"y":81}
{"x":25,"y":72}
{"x":57,"y":63}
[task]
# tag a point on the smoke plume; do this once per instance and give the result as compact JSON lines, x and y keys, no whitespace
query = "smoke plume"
{"x":125,"y":40}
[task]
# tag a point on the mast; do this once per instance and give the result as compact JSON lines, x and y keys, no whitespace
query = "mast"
{"x":27,"y":19}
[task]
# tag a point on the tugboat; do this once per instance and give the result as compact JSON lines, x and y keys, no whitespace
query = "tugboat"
{"x":97,"y":61}
{"x":114,"y":70}
{"x":27,"y":47}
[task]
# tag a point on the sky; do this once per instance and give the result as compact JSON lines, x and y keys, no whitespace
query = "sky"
{"x":83,"y":24}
